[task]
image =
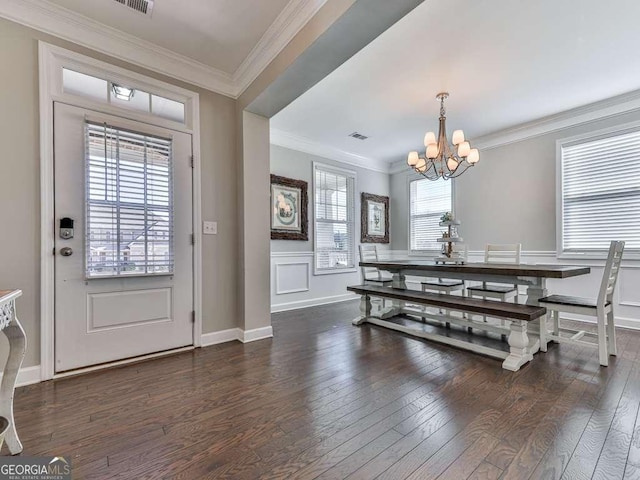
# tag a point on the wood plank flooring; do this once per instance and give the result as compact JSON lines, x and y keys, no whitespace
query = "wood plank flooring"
{"x":327,"y":400}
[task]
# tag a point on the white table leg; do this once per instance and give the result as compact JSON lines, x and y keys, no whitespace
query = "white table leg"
{"x":534,"y":293}
{"x":398,"y":281}
{"x":520,"y":350}
{"x":365,"y":310}
{"x":17,"y":347}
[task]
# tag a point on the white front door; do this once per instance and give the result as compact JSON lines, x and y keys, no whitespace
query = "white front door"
{"x":124,"y":282}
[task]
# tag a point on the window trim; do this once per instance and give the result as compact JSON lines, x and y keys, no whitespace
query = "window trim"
{"x":412,"y":177}
{"x":353,"y":175}
{"x":576,"y":140}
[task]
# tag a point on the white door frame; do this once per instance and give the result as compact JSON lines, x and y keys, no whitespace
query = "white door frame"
{"x":52,"y":60}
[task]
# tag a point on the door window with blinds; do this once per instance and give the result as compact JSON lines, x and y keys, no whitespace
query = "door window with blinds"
{"x":334,"y":193}
{"x":428,"y":200}
{"x":129,"y":204}
{"x":600,"y":180}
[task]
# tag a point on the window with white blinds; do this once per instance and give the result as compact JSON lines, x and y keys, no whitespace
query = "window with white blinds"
{"x":129,"y":204}
{"x":428,"y":200}
{"x":601,"y":193}
{"x":334,"y":193}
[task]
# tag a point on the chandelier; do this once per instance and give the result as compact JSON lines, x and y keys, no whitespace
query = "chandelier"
{"x":442,"y":160}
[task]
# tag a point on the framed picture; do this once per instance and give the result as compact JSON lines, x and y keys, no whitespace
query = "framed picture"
{"x":288,"y":209}
{"x":374,"y":218}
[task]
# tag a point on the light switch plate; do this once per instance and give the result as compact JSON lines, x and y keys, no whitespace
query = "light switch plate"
{"x":210,"y":228}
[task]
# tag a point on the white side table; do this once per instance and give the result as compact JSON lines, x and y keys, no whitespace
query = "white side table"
{"x":11,"y":327}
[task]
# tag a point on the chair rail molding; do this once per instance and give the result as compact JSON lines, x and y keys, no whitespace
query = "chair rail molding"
{"x":66,"y":24}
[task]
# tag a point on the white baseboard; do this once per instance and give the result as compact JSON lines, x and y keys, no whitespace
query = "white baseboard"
{"x":27,"y":376}
{"x":223,"y":336}
{"x":232,"y":334}
{"x":256,"y":334}
{"x":312,"y":302}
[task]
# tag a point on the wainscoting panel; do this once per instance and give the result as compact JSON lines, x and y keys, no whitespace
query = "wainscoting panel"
{"x":294,"y":286}
{"x":292,"y":277}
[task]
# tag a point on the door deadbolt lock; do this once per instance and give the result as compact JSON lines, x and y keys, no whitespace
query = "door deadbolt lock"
{"x":66,"y":228}
{"x":66,"y":251}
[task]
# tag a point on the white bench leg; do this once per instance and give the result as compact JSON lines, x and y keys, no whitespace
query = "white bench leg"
{"x":519,"y":346}
{"x":365,"y":310}
{"x":543,"y":333}
{"x":555,"y":315}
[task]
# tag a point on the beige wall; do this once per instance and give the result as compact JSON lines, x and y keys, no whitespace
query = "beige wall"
{"x":509,"y":197}
{"x":20,"y":191}
{"x":255,"y":304}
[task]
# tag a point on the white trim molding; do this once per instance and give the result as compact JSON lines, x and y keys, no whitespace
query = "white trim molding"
{"x":256,"y":334}
{"x":312,"y":302}
{"x":302,"y":144}
{"x":27,"y":376}
{"x":236,"y":334}
{"x":66,"y":24}
{"x":287,"y":24}
{"x":223,"y":336}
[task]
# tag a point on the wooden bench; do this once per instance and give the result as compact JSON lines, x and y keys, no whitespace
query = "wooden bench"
{"x":521,"y":347}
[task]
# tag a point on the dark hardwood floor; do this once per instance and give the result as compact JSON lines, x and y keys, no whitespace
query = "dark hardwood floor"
{"x":325,"y":400}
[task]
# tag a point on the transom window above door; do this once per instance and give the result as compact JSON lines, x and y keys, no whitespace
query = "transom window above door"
{"x":129,"y":203}
{"x":120,"y":95}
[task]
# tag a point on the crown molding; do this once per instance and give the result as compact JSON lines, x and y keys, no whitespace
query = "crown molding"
{"x":287,"y":24}
{"x":66,"y":24}
{"x":294,"y":142}
{"x":593,"y":112}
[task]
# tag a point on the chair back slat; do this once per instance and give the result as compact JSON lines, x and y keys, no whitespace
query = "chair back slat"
{"x":369,"y":253}
{"x":506,"y":253}
{"x":611,"y":270}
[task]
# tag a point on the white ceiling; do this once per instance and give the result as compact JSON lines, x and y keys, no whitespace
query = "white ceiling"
{"x":504,"y":62}
{"x":217,"y":33}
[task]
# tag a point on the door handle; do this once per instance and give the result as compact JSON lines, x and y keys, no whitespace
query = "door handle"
{"x":66,"y":251}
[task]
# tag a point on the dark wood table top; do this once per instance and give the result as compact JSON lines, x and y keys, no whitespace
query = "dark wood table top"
{"x":521,"y":270}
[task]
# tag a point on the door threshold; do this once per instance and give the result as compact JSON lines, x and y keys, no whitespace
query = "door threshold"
{"x":119,"y":363}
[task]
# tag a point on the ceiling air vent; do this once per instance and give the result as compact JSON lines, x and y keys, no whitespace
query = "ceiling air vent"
{"x":143,"y":6}
{"x":359,"y":136}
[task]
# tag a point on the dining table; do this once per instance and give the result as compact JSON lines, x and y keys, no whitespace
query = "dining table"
{"x":532,"y":277}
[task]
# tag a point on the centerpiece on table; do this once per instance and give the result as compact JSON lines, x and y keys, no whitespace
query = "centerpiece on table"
{"x":453,"y":248}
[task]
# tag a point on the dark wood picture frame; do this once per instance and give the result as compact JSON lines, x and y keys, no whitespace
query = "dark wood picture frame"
{"x":284,"y":234}
{"x":365,"y":236}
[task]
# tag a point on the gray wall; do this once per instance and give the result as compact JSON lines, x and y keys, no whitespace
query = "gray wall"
{"x":316,"y":289}
{"x":299,"y":166}
{"x":20,"y":192}
{"x":509,"y":197}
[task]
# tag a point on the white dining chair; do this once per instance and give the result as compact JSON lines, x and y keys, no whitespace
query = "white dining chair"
{"x":371,"y":275}
{"x":509,"y":253}
{"x":494,"y":253}
{"x":601,"y":308}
